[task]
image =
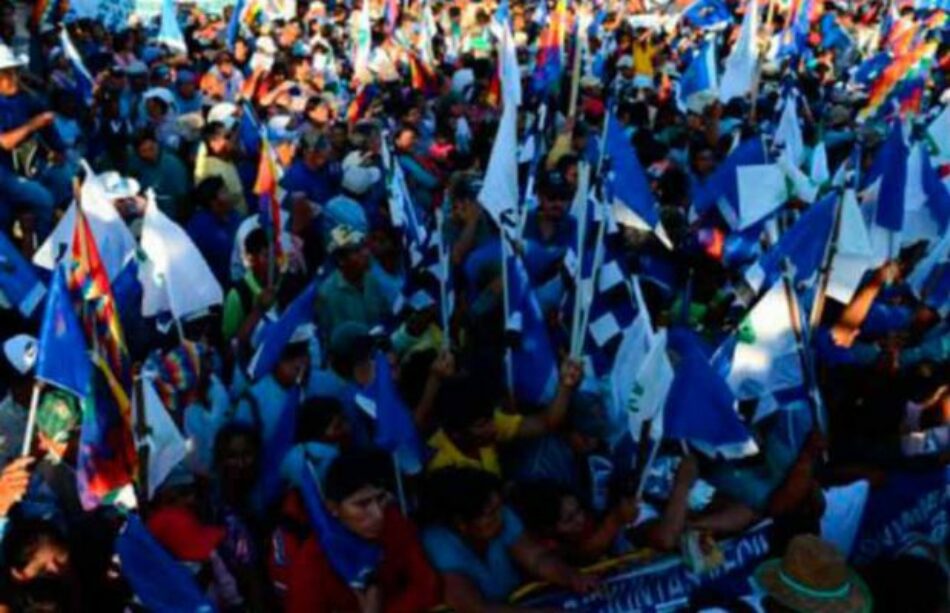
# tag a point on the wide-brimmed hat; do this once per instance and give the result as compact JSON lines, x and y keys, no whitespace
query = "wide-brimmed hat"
{"x":813,"y":577}
{"x":9,"y":59}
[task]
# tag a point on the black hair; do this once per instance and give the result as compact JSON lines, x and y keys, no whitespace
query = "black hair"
{"x":212,"y":129}
{"x":462,"y":402}
{"x":458,"y":494}
{"x":143,"y":135}
{"x":538,"y":503}
{"x":207,"y":190}
{"x":24,"y":535}
{"x":315,"y":416}
{"x":413,"y":375}
{"x":231,"y":431}
{"x":255,"y":242}
{"x":354,"y":470}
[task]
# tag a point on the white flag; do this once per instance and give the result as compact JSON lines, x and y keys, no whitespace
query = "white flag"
{"x":741,"y":64}
{"x":766,"y":357}
{"x":176,"y":278}
{"x":509,"y":72}
{"x":651,"y":386}
{"x":762,"y":190}
{"x":939,"y":133}
{"x":167,"y":447}
{"x":499,"y":193}
{"x":113,"y":238}
{"x":820,"y":173}
{"x":853,"y":256}
{"x":169,"y":33}
{"x":789,"y":132}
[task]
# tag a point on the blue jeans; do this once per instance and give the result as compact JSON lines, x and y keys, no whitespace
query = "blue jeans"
{"x":18,"y":193}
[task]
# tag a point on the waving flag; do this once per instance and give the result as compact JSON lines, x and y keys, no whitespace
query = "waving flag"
{"x":62,"y":359}
{"x":700,"y":76}
{"x":893,"y":81}
{"x":84,"y":81}
{"x":354,"y":559}
{"x":166,"y":445}
{"x":267,"y":189}
{"x":169,"y":32}
{"x":499,"y":195}
{"x":721,"y":189}
{"x":549,"y":65}
{"x":278,"y":334}
{"x":395,"y":430}
{"x":159,"y":581}
{"x":363,"y":43}
{"x":629,"y":184}
{"x":177,"y":277}
{"x":234,"y":24}
{"x":707,"y":13}
{"x":20,"y":287}
{"x":742,"y":62}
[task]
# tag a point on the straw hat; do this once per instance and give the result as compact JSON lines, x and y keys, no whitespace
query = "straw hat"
{"x":813,"y":577}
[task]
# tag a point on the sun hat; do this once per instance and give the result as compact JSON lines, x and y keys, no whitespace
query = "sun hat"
{"x":813,"y":577}
{"x":9,"y":59}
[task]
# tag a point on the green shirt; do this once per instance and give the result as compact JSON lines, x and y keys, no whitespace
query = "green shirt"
{"x":339,"y":301}
{"x":234,"y":314}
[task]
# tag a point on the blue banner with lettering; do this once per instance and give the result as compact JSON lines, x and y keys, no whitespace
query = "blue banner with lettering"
{"x":667,"y":583}
{"x":911,"y":511}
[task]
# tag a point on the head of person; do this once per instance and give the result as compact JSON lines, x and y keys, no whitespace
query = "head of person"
{"x":467,"y":410}
{"x":217,"y":139}
{"x":319,"y":112}
{"x":224,"y":62}
{"x":146,"y":146}
{"x":212,"y":195}
{"x":587,"y":425}
{"x":237,"y":451}
{"x":351,"y":352}
{"x":554,"y":196}
{"x":315,"y":151}
{"x":350,"y":253}
{"x":464,"y":194}
{"x":468,"y":501}
{"x":321,"y":419}
{"x":702,"y":160}
{"x":551,"y":510}
{"x":256,"y":256}
{"x":357,"y":492}
{"x":294,"y":362}
{"x":406,"y":137}
{"x":34,"y":548}
{"x":625,"y":67}
{"x":186,"y":84}
{"x":9,"y":71}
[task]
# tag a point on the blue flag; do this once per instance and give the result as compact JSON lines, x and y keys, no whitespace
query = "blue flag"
{"x":395,"y":430}
{"x":707,"y":13}
{"x":354,"y":559}
{"x":938,"y":198}
{"x":803,"y":245}
{"x":722,"y":187}
{"x":890,"y":200}
{"x":158,"y":580}
{"x":700,"y":406}
{"x":700,"y":75}
{"x":62,"y":358}
{"x":169,"y":32}
{"x":276,"y":449}
{"x":234,"y":24}
{"x":249,"y":132}
{"x":628,"y":181}
{"x":276,"y":337}
{"x":533,"y":362}
{"x":21,"y":287}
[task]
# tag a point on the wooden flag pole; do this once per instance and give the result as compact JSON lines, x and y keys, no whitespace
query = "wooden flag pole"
{"x":824,"y":278}
{"x":31,"y":419}
{"x":580,"y":42}
{"x":443,"y":282}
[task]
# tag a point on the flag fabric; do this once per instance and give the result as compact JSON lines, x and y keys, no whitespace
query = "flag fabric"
{"x":266,"y":188}
{"x":20,"y":287}
{"x":509,"y":73}
{"x":819,"y":172}
{"x":395,"y":430}
{"x":628,"y":182}
{"x":700,"y":76}
{"x":159,"y":581}
{"x":165,"y":443}
{"x":114,"y":240}
{"x":762,"y":190}
{"x":278,"y":334}
{"x":234,"y":24}
{"x":890,"y":200}
{"x":62,"y":359}
{"x":178,"y":373}
{"x":354,"y":559}
{"x":533,"y":362}
{"x":269,"y":484}
{"x":721,"y":189}
{"x":803,"y":245}
{"x":177,"y":278}
{"x":788,"y":133}
{"x":169,"y":32}
{"x":358,"y":106}
{"x":651,"y":383}
{"x":853,"y":254}
{"x":45,"y":12}
{"x":402,"y":209}
{"x":421,"y":76}
{"x":929,"y":277}
{"x":362,"y":43}
{"x":742,"y":62}
{"x":548,"y":65}
{"x":499,"y":195}
{"x":707,"y":13}
{"x":84,"y":81}
{"x":766,"y":357}
{"x":904,"y":68}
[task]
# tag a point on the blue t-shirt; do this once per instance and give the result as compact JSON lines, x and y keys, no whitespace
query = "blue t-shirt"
{"x":319,"y":185}
{"x":215,"y":240}
{"x":495,"y":573}
{"x":15,"y":111}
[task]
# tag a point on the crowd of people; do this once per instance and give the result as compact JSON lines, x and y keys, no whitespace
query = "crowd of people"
{"x":301,"y":146}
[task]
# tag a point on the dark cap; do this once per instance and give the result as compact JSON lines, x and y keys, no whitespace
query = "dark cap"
{"x":554,"y":186}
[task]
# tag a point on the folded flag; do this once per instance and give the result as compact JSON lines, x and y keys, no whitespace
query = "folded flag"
{"x":62,"y":359}
{"x":278,"y":334}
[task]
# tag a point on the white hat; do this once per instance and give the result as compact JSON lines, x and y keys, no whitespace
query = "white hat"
{"x":302,"y":333}
{"x":136,"y":67}
{"x":358,"y":179}
{"x":117,"y":187}
{"x":344,"y":237}
{"x":8,"y":59}
{"x":224,"y":113}
{"x":625,"y":62}
{"x":21,"y":352}
{"x":265,"y":44}
{"x":163,"y":94}
{"x":279,"y":128}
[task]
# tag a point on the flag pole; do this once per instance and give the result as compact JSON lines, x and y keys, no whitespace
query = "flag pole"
{"x":533,"y":172}
{"x":584,"y":173}
{"x":824,"y":278}
{"x":141,"y":434}
{"x":509,"y":372}
{"x":443,"y":281}
{"x":800,"y":339}
{"x":31,"y":418}
{"x":580,"y":42}
{"x":400,"y":492}
{"x":595,"y":276}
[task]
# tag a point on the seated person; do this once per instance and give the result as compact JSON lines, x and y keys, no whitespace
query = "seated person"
{"x":480,"y":547}
{"x":356,"y":493}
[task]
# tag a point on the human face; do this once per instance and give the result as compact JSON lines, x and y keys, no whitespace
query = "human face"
{"x":355,"y":263}
{"x":482,"y":432}
{"x":238,"y":469}
{"x":315,"y":158}
{"x":362,"y":512}
{"x":406,"y":140}
{"x":552,"y":208}
{"x":220,"y":144}
{"x":9,"y":82}
{"x":49,"y":558}
{"x":487,"y":525}
{"x":572,"y":518}
{"x":290,"y":369}
{"x":148,"y":151}
{"x":704,"y":163}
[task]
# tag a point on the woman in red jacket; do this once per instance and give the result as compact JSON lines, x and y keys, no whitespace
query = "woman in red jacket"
{"x":356,"y":494}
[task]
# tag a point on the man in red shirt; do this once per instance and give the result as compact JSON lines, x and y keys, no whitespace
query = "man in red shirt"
{"x":356,"y":495}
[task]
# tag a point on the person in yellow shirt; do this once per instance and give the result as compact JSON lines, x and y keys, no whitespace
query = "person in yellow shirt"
{"x":472,"y":428}
{"x":644,"y":53}
{"x":215,"y":159}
